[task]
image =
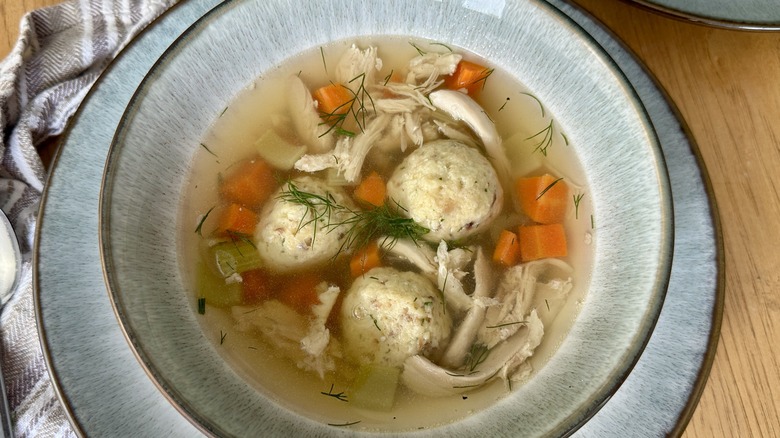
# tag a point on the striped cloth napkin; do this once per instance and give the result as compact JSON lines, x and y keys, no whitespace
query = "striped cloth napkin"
{"x":60,"y":53}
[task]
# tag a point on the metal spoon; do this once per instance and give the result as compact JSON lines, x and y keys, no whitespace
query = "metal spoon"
{"x":10,"y":267}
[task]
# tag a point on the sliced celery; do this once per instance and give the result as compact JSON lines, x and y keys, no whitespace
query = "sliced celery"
{"x":277,"y":151}
{"x":215,"y":290}
{"x":375,"y":386}
{"x":234,"y":257}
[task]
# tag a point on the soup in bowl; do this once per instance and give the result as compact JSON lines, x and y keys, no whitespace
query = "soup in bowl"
{"x":387,"y":217}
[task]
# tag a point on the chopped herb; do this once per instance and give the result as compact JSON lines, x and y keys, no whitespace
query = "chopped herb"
{"x":502,"y":106}
{"x":548,"y":188}
{"x":345,"y":133}
{"x":223,"y":111}
{"x":376,"y":323}
{"x":344,"y":424}
{"x":387,"y":78}
{"x":202,"y":305}
{"x":577,"y":198}
{"x":337,"y":395}
{"x":240,"y":237}
{"x":565,"y":139}
{"x":541,"y":107}
{"x":547,"y":303}
{"x":222,"y":336}
{"x":484,"y":74}
{"x":443,"y":45}
{"x":324,"y":64}
{"x":592,"y":223}
{"x":203,"y":145}
{"x":419,"y":50}
{"x":506,"y":324}
{"x":199,"y":228}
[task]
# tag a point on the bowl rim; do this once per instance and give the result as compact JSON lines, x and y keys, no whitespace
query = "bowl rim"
{"x":565,"y":427}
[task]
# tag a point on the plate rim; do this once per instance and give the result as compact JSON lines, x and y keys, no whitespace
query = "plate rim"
{"x":63,"y":397}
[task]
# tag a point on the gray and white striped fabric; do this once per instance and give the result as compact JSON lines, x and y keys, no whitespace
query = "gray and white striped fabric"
{"x":60,"y":53}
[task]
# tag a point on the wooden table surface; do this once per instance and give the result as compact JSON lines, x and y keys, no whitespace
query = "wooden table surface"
{"x":726,"y":84}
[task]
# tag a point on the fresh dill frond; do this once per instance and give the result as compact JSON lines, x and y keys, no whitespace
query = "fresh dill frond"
{"x":202,"y":305}
{"x":199,"y":228}
{"x":502,"y":106}
{"x":223,"y":111}
{"x":577,"y":198}
{"x":361,"y":226}
{"x":240,"y":237}
{"x":547,"y":138}
{"x":324,"y":64}
{"x":357,"y":107}
{"x":341,"y":396}
{"x":565,"y":139}
{"x":203,"y":145}
{"x":350,"y":423}
{"x":541,"y":107}
{"x":449,"y":49}
{"x":484,"y":75}
{"x":506,"y":324}
{"x":477,"y":355}
{"x":416,"y":47}
{"x":548,"y":188}
{"x":387,"y":78}
{"x":319,"y":209}
{"x":222,"y":336}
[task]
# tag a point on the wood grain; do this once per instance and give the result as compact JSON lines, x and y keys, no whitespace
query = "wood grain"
{"x":726,"y":84}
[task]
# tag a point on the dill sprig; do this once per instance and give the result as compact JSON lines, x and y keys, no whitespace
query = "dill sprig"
{"x":341,"y":396}
{"x":541,"y":107}
{"x":477,"y":355}
{"x":547,"y":138}
{"x":577,"y":199}
{"x":361,"y":225}
{"x":357,"y":107}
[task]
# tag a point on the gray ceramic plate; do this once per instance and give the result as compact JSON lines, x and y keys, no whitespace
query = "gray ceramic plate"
{"x":739,"y":14}
{"x":113,"y":396}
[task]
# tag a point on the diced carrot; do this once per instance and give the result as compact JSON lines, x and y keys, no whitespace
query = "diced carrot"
{"x":507,"y":250}
{"x":256,"y":286}
{"x":333,"y":99}
{"x":250,"y":183}
{"x":543,"y":198}
{"x":372,"y":190}
{"x":236,"y":219}
{"x":300,"y":292}
{"x":542,"y":241}
{"x":365,"y":259}
{"x":468,"y":75}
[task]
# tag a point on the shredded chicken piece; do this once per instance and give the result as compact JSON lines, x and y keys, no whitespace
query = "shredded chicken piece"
{"x":305,"y":340}
{"x":462,"y":107}
{"x":445,"y":268}
{"x":503,"y":361}
{"x":516,"y":292}
{"x":355,"y":62}
{"x":464,"y":336}
{"x":432,"y":65}
{"x":350,"y":152}
{"x":306,"y":120}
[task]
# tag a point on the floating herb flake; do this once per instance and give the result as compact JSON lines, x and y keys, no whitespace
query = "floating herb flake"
{"x":577,"y":198}
{"x":199,"y":228}
{"x":548,"y":188}
{"x":341,"y":396}
{"x":202,"y":305}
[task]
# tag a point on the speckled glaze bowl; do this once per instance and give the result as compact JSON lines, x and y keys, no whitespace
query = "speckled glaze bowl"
{"x":188,"y":88}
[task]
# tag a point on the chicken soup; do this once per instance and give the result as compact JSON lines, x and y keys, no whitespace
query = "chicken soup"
{"x":387,"y":235}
